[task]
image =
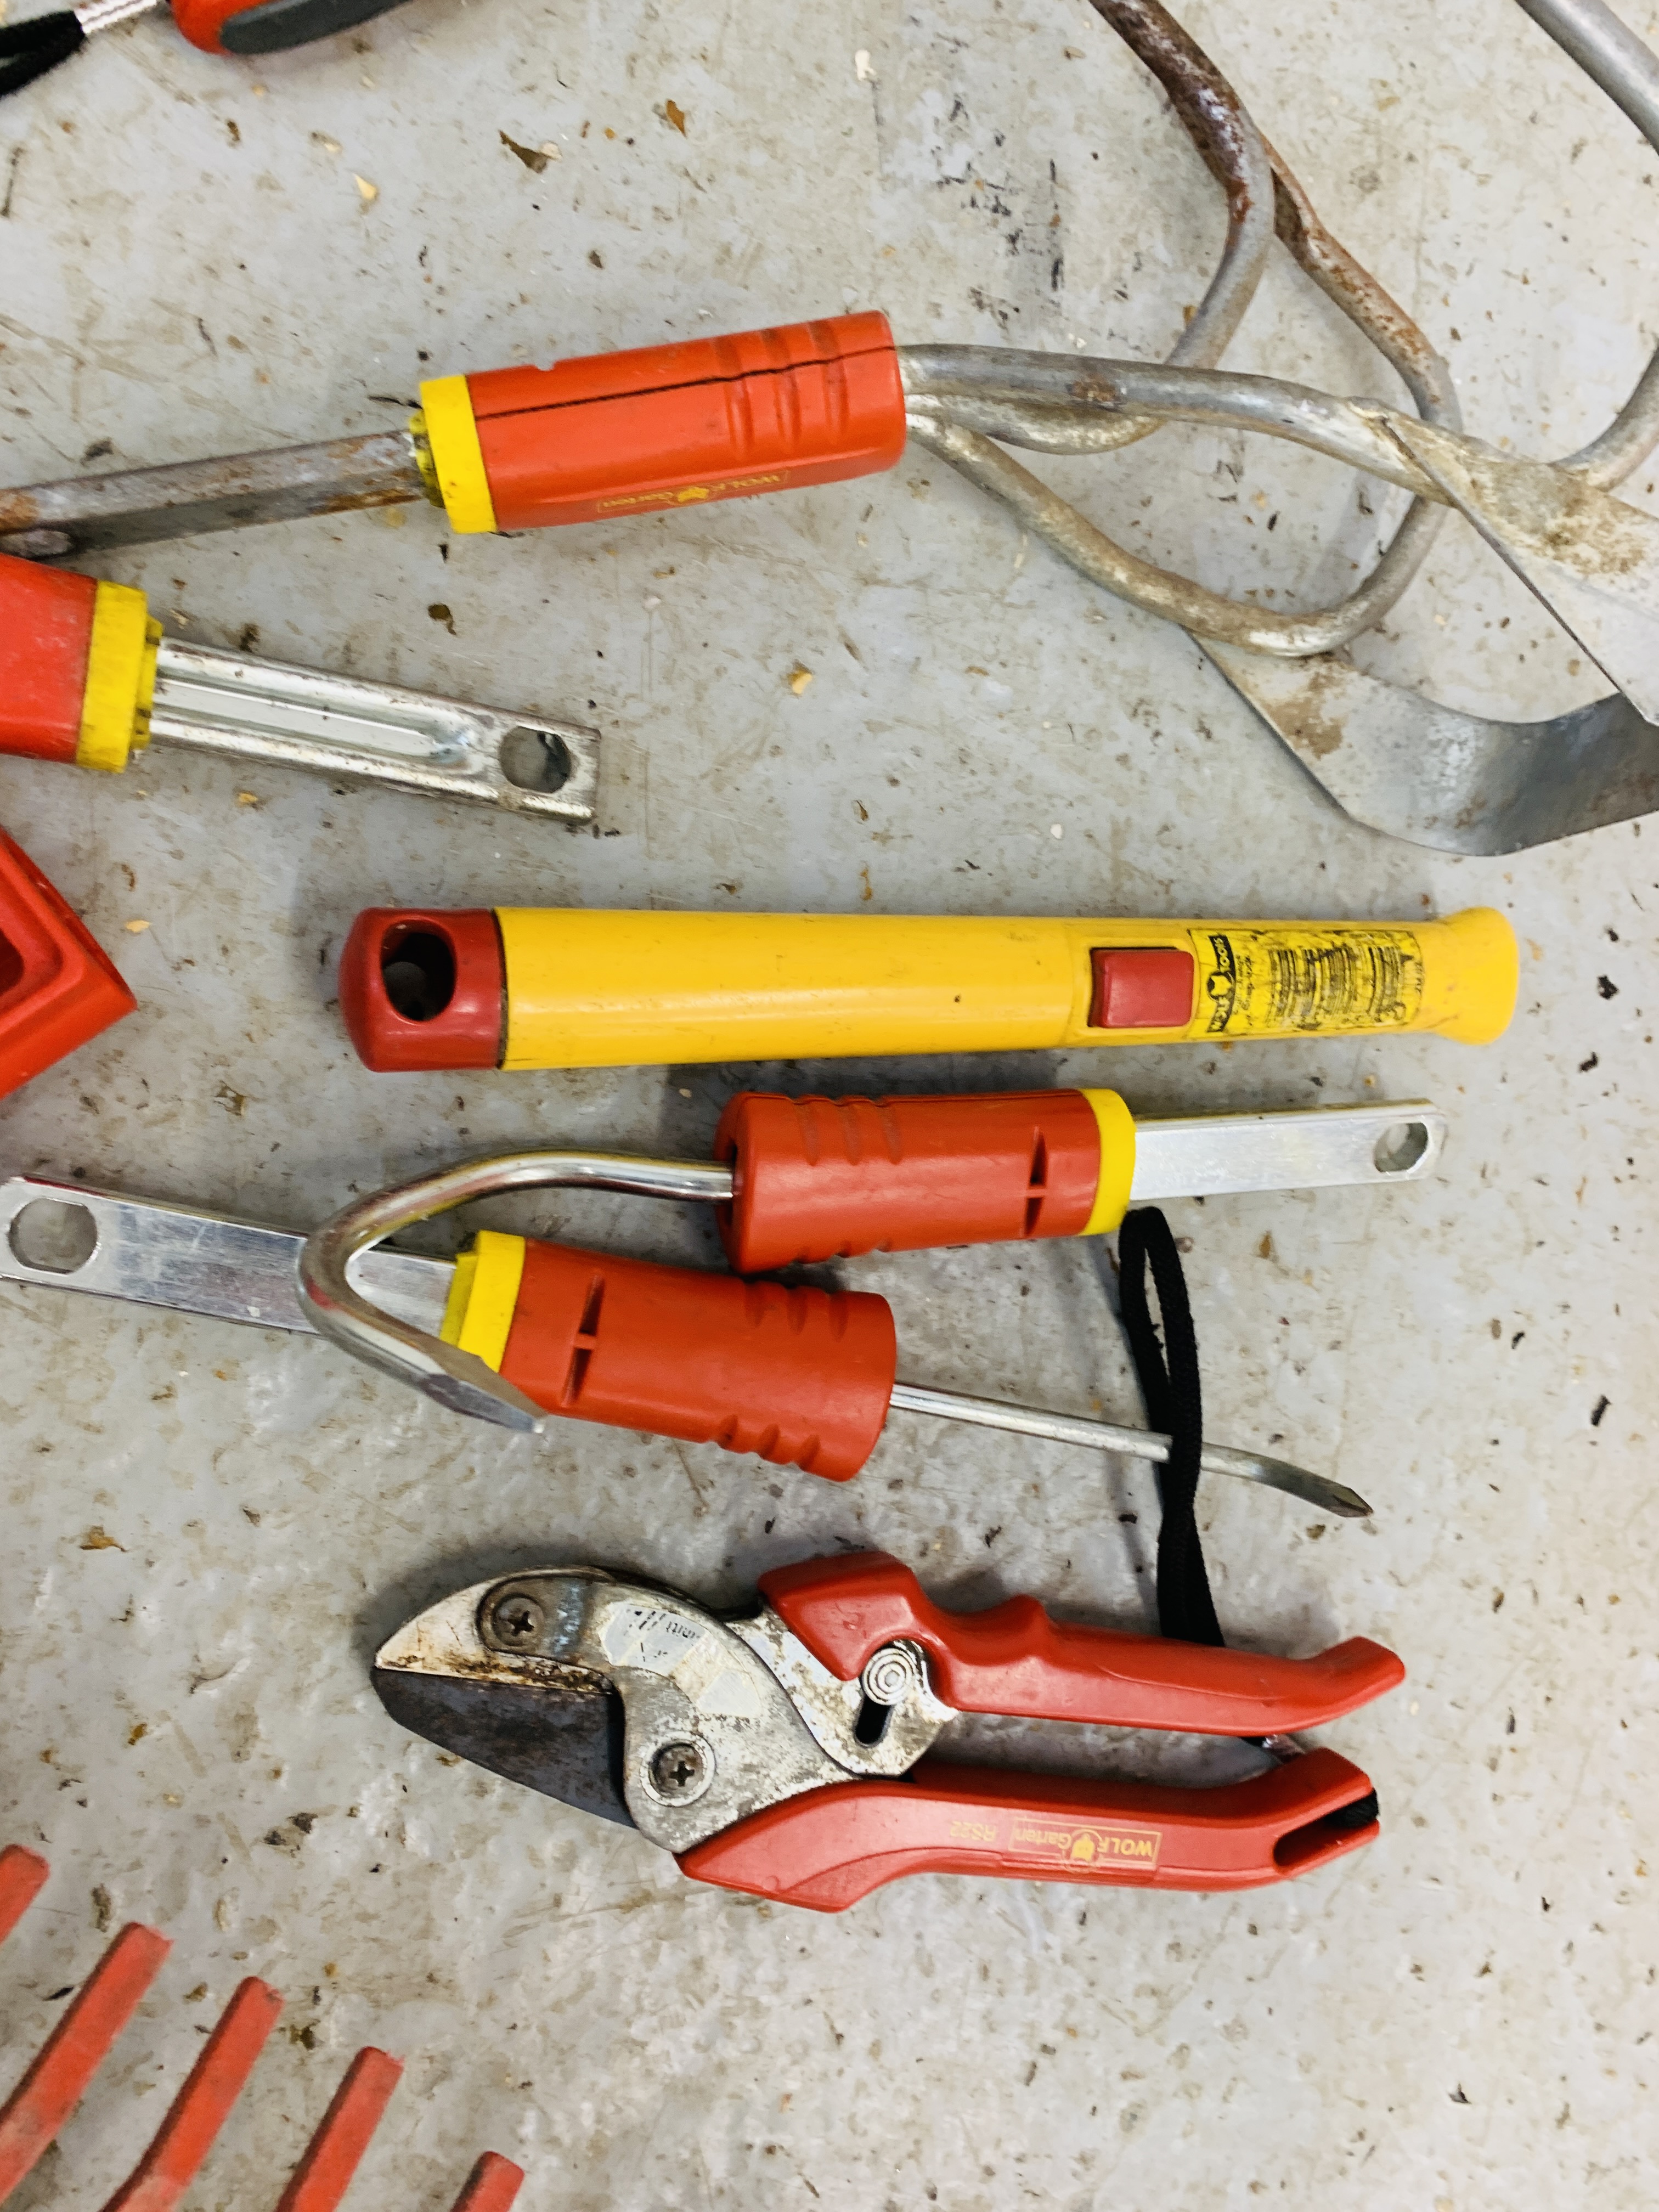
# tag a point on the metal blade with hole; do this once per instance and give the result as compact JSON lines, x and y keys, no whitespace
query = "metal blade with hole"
{"x":267,"y":713}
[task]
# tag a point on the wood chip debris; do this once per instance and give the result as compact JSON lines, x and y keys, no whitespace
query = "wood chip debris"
{"x":535,"y":158}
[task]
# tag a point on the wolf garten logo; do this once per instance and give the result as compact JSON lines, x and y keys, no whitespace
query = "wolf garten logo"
{"x":1090,"y":1845}
{"x":689,"y":495}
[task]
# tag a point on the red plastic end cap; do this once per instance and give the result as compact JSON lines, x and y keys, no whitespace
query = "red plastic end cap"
{"x":202,"y":21}
{"x":59,"y":988}
{"x":424,"y":989}
{"x":1141,"y":987}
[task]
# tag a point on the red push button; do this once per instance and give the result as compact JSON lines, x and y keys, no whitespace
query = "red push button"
{"x":1141,"y":987}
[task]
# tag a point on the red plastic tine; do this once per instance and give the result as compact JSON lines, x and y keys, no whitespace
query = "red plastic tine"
{"x":21,"y":1874}
{"x":77,"y":2047}
{"x":203,"y":2105}
{"x":331,"y":2157}
{"x":491,"y":2186}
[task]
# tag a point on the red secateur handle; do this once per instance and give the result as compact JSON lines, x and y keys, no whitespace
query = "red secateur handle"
{"x":834,"y":1846}
{"x":1014,"y":1659}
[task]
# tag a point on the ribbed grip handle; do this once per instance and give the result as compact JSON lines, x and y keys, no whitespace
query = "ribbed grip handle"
{"x":801,"y":1377}
{"x":619,"y":434}
{"x":826,"y":1178}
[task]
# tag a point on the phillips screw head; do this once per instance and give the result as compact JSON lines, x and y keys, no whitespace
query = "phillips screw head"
{"x":517,"y":1621}
{"x":678,"y":1772}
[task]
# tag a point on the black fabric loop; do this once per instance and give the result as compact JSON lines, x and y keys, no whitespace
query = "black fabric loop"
{"x":29,"y":50}
{"x":1166,"y":1368}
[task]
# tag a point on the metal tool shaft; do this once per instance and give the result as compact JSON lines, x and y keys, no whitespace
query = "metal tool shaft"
{"x":266,"y":713}
{"x":1133,"y":1443}
{"x":141,"y":506}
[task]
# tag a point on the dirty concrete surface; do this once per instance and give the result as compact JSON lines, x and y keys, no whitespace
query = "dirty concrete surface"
{"x":210,"y":1529}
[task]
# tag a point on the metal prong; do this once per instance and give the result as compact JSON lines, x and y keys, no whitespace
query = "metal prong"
{"x":1317,"y":1490}
{"x":1203,"y":1155}
{"x":139,"y":506}
{"x":415,"y":741}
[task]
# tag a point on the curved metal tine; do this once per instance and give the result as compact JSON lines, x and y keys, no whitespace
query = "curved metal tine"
{"x":1235,"y":155}
{"x":961,"y":431}
{"x":1435,"y":775}
{"x":1617,"y":64}
{"x":1476,"y":796}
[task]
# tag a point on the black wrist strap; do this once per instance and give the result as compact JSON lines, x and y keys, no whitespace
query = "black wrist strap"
{"x":29,"y":49}
{"x":1166,"y":1368}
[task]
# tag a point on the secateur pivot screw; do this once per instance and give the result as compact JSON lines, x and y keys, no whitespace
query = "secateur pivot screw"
{"x":680,"y":1772}
{"x":517,"y":1621}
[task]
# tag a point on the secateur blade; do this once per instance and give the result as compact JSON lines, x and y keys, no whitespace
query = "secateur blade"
{"x":554,"y":1728}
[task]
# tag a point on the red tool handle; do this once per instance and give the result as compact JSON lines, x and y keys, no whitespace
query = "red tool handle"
{"x":1014,"y":1659}
{"x":714,"y":418}
{"x":58,"y":987}
{"x":834,"y":1846}
{"x":826,"y":1178}
{"x":45,"y":639}
{"x":802,"y":1377}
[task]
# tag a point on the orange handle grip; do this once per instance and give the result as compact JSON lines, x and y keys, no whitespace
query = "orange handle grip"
{"x":827,"y":1178}
{"x":800,"y":1378}
{"x":833,"y":1846}
{"x":1014,"y":1659}
{"x":45,"y":641}
{"x":620,"y":434}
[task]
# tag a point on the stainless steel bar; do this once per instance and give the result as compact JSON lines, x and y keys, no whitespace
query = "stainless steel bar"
{"x":72,"y":1238}
{"x":268,"y":713}
{"x":139,"y":506}
{"x":1135,"y":1444}
{"x":1206,"y":1155}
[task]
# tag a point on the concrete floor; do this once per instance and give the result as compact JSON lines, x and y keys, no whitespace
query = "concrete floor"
{"x":198,"y":256}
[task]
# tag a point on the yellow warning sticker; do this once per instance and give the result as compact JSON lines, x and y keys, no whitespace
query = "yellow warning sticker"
{"x":1301,"y":980}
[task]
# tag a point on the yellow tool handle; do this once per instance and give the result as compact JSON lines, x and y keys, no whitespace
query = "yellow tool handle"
{"x":603,"y":990}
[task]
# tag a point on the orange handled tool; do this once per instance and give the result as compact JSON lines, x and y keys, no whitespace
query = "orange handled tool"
{"x":594,"y":439}
{"x":786,"y":1752}
{"x":535,"y":986}
{"x":86,"y":676}
{"x":620,"y":434}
